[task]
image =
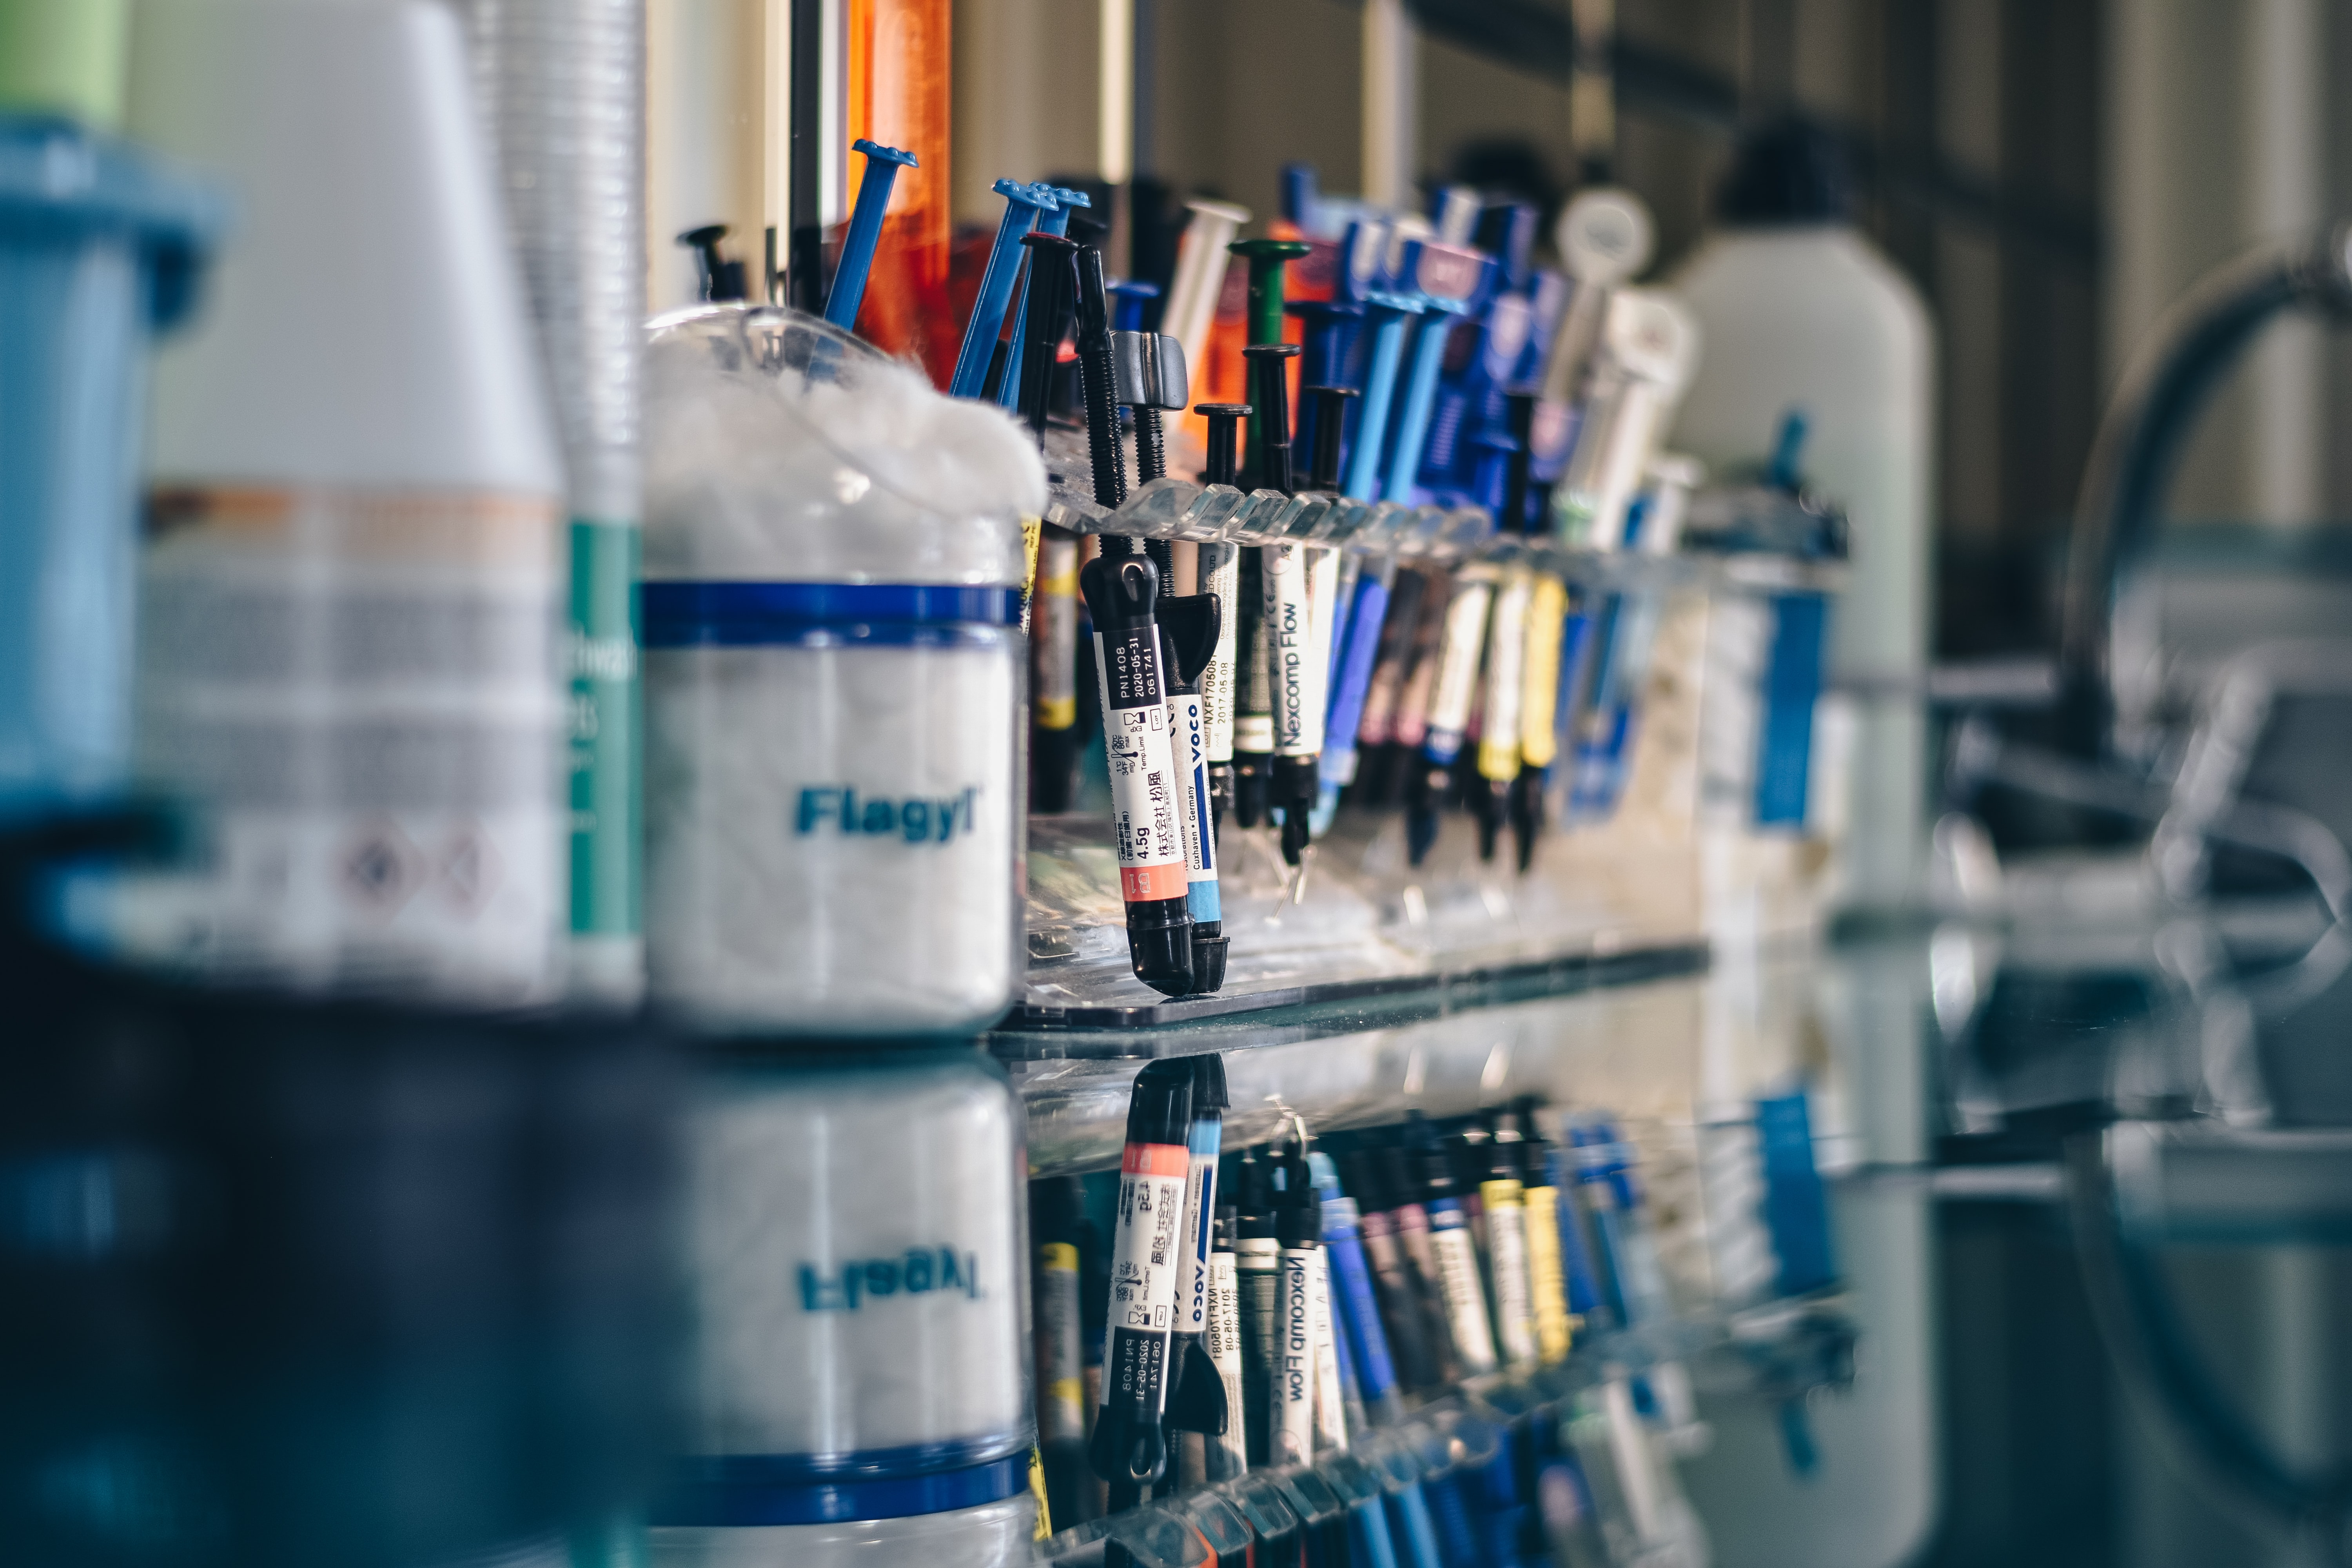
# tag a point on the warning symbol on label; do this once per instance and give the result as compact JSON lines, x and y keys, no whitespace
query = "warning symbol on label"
{"x":469,"y":869}
{"x":382,"y":870}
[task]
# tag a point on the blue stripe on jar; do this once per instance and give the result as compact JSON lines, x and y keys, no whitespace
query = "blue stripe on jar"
{"x":824,"y":614}
{"x":739,"y":1491}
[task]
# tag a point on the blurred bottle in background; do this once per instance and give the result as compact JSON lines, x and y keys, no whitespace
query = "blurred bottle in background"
{"x":1801,"y":314}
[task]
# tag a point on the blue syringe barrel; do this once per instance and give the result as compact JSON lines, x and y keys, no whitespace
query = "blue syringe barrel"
{"x":882,"y":166}
{"x":1021,"y":205}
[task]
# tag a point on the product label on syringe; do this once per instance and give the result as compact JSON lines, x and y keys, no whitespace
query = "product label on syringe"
{"x":1539,"y":700}
{"x":1060,"y":1376}
{"x":1507,"y":650}
{"x":1200,"y":1211}
{"x":1330,"y":1398}
{"x":1288,"y":638}
{"x":1292,"y":1429}
{"x":1457,"y":1277}
{"x":1200,"y":832}
{"x":1412,"y":724}
{"x":1229,"y":1455}
{"x":1054,"y":632}
{"x":1145,"y":1260}
{"x":1217,"y":681}
{"x":1547,"y":1279}
{"x":1457,"y":669}
{"x":1506,"y":1247}
{"x":1144,"y":1265}
{"x":1142,"y":763}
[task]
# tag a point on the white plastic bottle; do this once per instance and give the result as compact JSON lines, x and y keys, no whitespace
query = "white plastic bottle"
{"x":352,"y":584}
{"x":1800,"y":312}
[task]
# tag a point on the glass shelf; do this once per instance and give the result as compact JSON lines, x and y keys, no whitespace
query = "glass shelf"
{"x":1446,"y":1051}
{"x":1361,"y":926}
{"x":1175,"y":508}
{"x":1320,"y":1010}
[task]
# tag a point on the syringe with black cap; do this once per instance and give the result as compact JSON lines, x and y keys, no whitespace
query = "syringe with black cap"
{"x":1296,"y":650}
{"x":1227,"y":1454}
{"x":1128,"y":1448}
{"x":1548,"y":1278}
{"x":1393,"y":1286}
{"x":1456,"y":1250}
{"x":1059,"y":1238}
{"x":1220,"y":576}
{"x":1257,"y":1266}
{"x":1190,"y":624}
{"x":1154,"y":877}
{"x":1298,"y":1227}
{"x":1196,"y":1397}
{"x":1502,"y":1197}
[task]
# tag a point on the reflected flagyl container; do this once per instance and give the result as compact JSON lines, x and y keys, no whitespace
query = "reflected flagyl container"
{"x":833,"y":685}
{"x":854,"y":1242}
{"x":993,"y":1535}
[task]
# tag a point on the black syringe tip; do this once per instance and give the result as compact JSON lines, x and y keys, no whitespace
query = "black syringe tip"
{"x":1330,"y":425}
{"x":1270,"y":379}
{"x":1516,"y":469}
{"x":1420,"y":832}
{"x":1527,"y":815}
{"x":1125,"y":1449}
{"x":1221,"y":792}
{"x":1223,"y":466}
{"x":722,"y":280}
{"x":1094,"y":302}
{"x":1295,"y":832}
{"x":1250,"y":791}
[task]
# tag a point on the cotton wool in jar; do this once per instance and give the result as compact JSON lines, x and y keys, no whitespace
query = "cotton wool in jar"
{"x":833,"y":684}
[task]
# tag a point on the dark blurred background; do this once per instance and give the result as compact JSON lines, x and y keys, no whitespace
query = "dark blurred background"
{"x":2050,"y":172}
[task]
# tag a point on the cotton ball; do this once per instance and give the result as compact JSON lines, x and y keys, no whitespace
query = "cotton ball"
{"x":868,"y":475}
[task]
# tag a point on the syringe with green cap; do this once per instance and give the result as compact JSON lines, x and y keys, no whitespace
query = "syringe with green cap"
{"x":1266,"y":259}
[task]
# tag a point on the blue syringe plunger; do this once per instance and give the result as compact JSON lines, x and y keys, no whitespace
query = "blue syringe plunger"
{"x":1023,"y":203}
{"x":1131,"y":297}
{"x":882,"y":166}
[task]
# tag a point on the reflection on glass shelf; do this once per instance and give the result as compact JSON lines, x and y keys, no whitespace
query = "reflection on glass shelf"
{"x":2208,"y":1015}
{"x":1344,"y":1065}
{"x":1459,"y":1468}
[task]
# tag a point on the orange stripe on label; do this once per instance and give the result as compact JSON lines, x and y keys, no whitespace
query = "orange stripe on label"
{"x":1156,"y":1160}
{"x":1167,"y":880}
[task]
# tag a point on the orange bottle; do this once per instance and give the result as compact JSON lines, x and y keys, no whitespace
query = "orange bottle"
{"x":900,"y":67}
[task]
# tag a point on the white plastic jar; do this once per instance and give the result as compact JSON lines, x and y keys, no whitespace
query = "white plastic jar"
{"x":854,"y":1250}
{"x":834,"y":672}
